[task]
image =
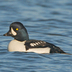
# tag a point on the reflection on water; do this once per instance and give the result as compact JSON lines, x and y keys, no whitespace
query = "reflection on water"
{"x":48,"y":20}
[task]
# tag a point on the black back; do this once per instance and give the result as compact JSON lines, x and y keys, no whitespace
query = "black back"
{"x":42,"y":44}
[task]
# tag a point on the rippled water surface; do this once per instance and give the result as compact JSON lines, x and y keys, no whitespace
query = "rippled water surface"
{"x":47,"y":20}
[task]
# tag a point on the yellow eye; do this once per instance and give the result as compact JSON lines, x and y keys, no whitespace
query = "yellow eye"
{"x":17,"y":29}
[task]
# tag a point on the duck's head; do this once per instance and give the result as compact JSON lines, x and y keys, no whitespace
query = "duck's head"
{"x":17,"y":31}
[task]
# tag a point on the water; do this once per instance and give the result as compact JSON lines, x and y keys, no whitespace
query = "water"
{"x":47,"y":20}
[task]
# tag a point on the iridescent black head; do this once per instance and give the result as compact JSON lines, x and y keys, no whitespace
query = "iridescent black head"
{"x":18,"y":31}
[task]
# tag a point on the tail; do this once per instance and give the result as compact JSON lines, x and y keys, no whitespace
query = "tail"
{"x":66,"y":53}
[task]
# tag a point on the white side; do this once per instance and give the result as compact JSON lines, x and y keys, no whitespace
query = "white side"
{"x":15,"y":45}
{"x":39,"y":50}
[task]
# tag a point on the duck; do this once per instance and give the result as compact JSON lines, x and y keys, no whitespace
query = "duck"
{"x":22,"y":43}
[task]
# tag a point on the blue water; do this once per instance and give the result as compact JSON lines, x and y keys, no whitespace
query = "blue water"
{"x":47,"y":20}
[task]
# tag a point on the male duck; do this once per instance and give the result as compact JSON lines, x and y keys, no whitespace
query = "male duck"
{"x":22,"y":43}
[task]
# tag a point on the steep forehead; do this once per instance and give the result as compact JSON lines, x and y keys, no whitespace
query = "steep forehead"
{"x":17,"y":25}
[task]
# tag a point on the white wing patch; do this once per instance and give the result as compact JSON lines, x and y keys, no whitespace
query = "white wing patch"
{"x":13,"y":32}
{"x":36,"y":43}
{"x":32,"y":44}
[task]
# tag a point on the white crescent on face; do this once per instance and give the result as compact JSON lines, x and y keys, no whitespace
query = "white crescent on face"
{"x":13,"y":32}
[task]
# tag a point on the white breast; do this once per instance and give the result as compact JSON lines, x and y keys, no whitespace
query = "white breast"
{"x":15,"y":45}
